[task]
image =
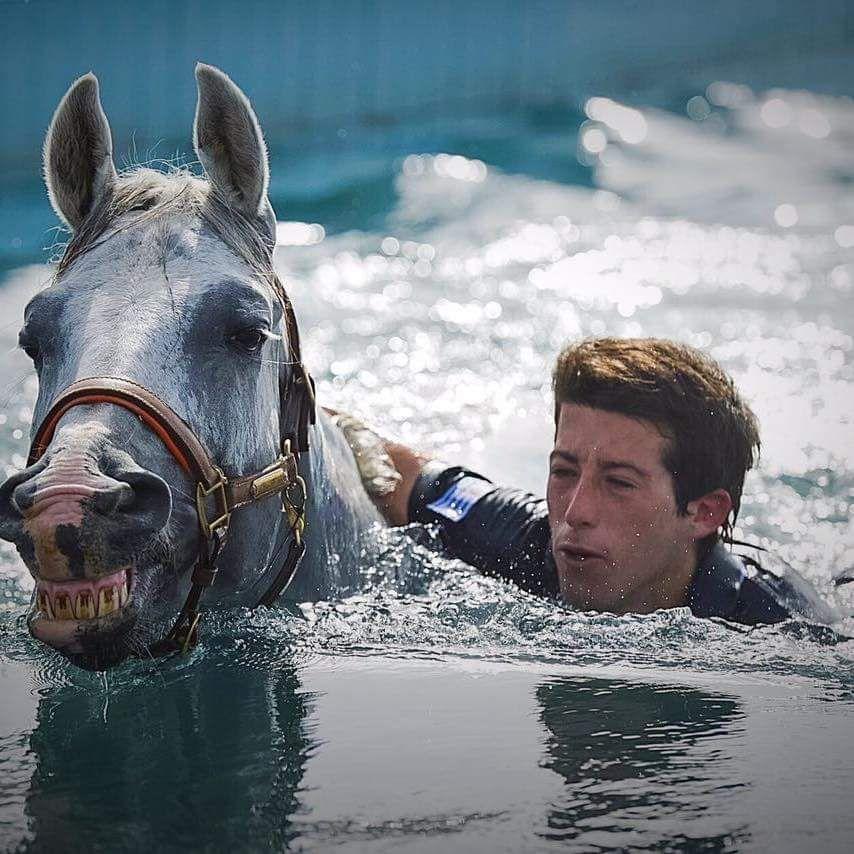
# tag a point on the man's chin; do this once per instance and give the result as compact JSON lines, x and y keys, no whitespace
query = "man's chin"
{"x":585,"y":594}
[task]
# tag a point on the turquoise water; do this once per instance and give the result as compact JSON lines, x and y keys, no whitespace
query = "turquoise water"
{"x":436,"y":271}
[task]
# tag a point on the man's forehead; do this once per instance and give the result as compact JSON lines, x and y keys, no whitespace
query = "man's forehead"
{"x":584,"y":431}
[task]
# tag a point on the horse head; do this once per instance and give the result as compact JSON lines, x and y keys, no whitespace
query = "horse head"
{"x":166,"y":285}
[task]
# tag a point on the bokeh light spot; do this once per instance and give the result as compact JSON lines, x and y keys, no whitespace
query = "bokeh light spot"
{"x":786,"y":215}
{"x":594,"y":140}
{"x":629,"y":124}
{"x":698,"y":108}
{"x":776,"y":113}
{"x":844,"y":236}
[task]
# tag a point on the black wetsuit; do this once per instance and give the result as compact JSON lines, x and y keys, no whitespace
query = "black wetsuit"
{"x":505,"y":533}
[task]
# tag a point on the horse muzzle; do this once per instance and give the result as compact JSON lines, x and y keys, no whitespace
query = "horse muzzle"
{"x":80,"y":517}
{"x":58,"y":533}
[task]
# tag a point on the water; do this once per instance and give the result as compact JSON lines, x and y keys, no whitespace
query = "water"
{"x":438,"y":710}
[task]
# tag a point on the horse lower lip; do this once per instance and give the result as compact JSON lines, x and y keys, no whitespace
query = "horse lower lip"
{"x":66,"y":635}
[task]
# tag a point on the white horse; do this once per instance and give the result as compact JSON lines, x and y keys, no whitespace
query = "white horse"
{"x":167,"y":286}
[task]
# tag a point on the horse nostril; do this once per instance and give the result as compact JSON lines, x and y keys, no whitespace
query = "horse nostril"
{"x":113,"y":498}
{"x":11,"y":510}
{"x":16,"y":493}
{"x":147,"y":497}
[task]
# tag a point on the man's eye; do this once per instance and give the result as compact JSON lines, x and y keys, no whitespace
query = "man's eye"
{"x":620,"y":483}
{"x":249,"y":340}
{"x":562,"y":472}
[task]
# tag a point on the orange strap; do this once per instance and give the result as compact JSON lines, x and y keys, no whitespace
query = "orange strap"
{"x":48,"y":427}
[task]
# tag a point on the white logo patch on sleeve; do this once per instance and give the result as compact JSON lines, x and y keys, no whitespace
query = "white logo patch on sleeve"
{"x":456,"y":502}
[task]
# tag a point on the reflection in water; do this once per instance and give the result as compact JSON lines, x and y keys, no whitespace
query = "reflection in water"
{"x":643,"y":765}
{"x":208,"y":761}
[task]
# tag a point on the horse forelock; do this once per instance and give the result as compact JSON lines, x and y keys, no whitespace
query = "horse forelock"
{"x":162,"y":198}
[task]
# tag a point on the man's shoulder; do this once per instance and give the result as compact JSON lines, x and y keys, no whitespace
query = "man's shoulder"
{"x":455,"y":493}
{"x":447,"y":491}
{"x":737,"y":587}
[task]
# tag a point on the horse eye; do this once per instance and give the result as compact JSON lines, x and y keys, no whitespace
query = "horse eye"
{"x":250,"y":340}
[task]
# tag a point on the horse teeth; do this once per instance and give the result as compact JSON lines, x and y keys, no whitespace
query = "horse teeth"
{"x":62,"y":607}
{"x":85,"y":609}
{"x":106,"y":601}
{"x":44,"y":605}
{"x":87,"y":604}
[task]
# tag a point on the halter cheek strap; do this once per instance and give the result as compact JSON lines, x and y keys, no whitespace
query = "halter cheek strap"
{"x":217,"y":496}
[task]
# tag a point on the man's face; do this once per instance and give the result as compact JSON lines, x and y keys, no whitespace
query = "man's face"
{"x":618,"y":541}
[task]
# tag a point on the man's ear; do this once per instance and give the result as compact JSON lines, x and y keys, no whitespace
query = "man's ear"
{"x":708,"y":513}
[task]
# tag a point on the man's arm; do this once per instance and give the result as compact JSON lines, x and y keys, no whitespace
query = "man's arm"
{"x":409,"y":464}
{"x":388,"y":469}
{"x":502,"y":532}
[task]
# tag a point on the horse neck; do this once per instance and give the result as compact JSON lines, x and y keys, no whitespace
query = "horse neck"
{"x":339,"y":515}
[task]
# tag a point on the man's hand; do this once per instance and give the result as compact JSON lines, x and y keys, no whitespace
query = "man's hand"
{"x":379,"y":476}
{"x":388,"y":470}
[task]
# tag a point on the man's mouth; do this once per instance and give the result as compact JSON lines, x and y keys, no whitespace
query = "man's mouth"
{"x":579,"y":554}
{"x":84,"y":600}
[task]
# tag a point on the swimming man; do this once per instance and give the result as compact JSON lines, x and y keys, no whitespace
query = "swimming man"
{"x":652,"y":443}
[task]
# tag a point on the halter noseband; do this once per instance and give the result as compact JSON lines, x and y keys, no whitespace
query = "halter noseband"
{"x":217,"y":496}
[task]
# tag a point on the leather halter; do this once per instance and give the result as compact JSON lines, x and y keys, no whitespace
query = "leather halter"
{"x":217,"y":496}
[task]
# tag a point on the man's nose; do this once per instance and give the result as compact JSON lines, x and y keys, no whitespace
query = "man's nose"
{"x":582,"y":510}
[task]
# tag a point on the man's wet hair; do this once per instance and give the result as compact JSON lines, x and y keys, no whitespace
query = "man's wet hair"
{"x":712,"y":434}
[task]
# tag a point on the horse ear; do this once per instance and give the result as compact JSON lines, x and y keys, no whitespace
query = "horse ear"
{"x":230,"y":146}
{"x":78,"y":153}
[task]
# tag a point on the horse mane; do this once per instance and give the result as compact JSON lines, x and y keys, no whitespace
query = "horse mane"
{"x":158,"y":195}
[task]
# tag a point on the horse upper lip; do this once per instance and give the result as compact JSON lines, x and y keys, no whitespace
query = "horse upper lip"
{"x":47,"y":497}
{"x":63,"y":489}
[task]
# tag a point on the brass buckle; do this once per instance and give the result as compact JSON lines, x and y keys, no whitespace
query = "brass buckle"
{"x":293,"y":506}
{"x":274,"y":478}
{"x":202,"y":494}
